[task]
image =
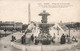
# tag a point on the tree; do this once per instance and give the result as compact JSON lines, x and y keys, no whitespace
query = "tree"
{"x":24,"y":27}
{"x":77,"y":25}
{"x":69,"y":26}
{"x":5,"y":31}
{"x":12,"y":30}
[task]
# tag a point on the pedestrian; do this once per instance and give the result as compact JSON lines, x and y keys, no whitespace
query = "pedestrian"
{"x":36,"y":40}
{"x":23,"y":39}
{"x":32,"y":37}
{"x":12,"y":38}
{"x":67,"y":39}
{"x":62,"y":39}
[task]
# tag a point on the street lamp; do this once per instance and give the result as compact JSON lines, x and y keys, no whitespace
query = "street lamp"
{"x":5,"y":31}
{"x":69,"y":31}
{"x":58,"y":30}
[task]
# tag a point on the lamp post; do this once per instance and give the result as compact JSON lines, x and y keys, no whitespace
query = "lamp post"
{"x":5,"y":31}
{"x":69,"y":35}
{"x":58,"y":30}
{"x":69,"y":31}
{"x":12,"y":30}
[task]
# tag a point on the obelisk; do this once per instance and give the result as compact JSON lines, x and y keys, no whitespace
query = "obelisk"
{"x":29,"y":13}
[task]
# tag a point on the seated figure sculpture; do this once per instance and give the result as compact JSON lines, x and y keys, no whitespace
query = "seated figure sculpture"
{"x":74,"y":39}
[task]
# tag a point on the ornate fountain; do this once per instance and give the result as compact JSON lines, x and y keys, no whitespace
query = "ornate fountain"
{"x":44,"y":26}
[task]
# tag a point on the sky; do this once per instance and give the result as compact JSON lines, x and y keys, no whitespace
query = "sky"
{"x":18,"y":11}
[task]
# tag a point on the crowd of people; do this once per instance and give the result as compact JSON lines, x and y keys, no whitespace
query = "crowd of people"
{"x":45,"y":39}
{"x":65,"y":39}
{"x":31,"y":39}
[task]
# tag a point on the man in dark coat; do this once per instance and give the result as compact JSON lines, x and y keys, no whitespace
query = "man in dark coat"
{"x":12,"y":38}
{"x":32,"y":37}
{"x":23,"y":39}
{"x":63,"y":39}
{"x":36,"y":40}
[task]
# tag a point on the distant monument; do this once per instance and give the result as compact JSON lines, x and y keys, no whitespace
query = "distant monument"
{"x":44,"y":15}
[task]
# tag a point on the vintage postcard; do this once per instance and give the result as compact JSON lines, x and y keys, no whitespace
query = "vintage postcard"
{"x":39,"y":25}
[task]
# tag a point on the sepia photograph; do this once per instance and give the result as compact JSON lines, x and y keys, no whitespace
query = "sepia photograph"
{"x":39,"y":25}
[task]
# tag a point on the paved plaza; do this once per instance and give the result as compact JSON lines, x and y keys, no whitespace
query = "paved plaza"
{"x":5,"y":44}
